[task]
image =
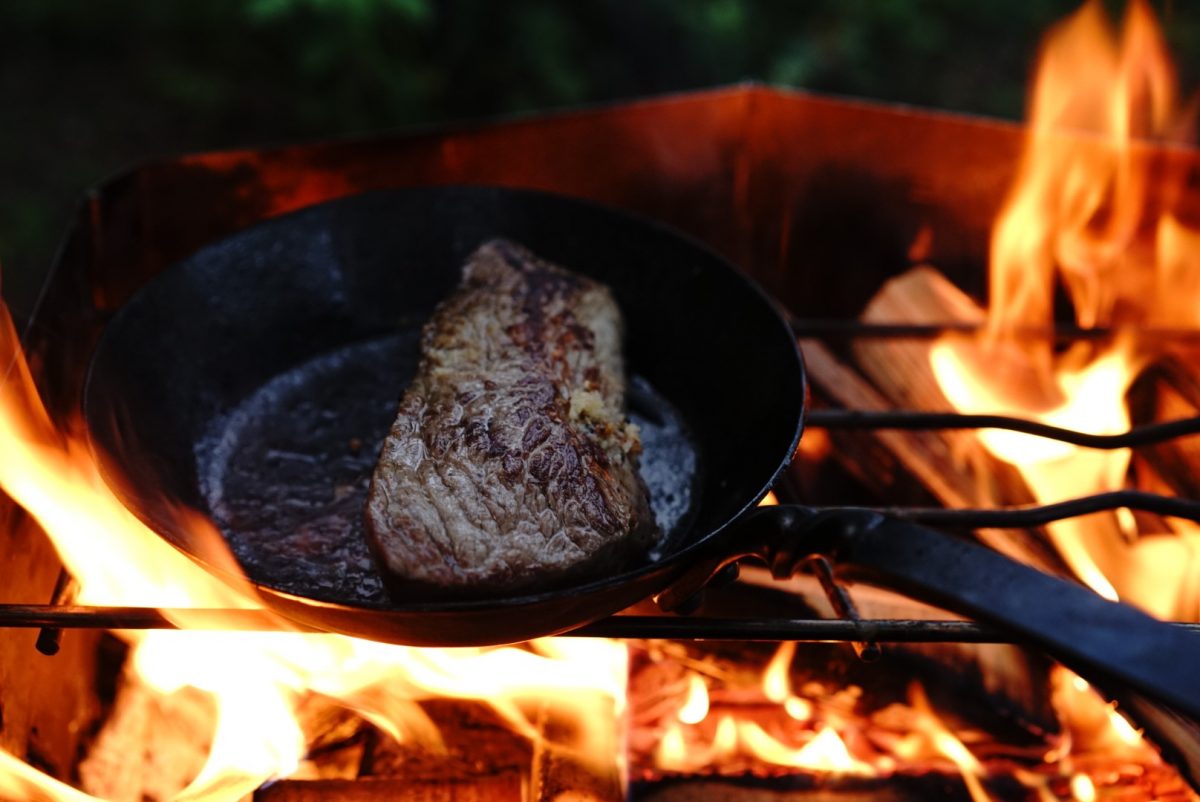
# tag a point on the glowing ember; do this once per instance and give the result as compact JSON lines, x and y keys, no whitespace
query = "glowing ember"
{"x":799,"y":709}
{"x":826,"y":752}
{"x":844,"y":734}
{"x":777,"y":678}
{"x":944,"y":742}
{"x":1083,"y":789}
{"x":696,"y":707}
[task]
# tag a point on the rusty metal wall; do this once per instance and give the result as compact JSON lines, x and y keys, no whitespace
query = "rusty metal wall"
{"x":818,"y":198}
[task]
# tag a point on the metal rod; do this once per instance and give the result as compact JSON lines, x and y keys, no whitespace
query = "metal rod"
{"x":32,"y":616}
{"x":850,"y":329}
{"x":1020,"y":517}
{"x":49,"y":640}
{"x":1145,"y":435}
{"x":618,"y":626}
{"x":878,"y":630}
{"x":839,"y":598}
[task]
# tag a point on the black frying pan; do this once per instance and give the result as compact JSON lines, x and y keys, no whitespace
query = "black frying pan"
{"x":255,"y":380}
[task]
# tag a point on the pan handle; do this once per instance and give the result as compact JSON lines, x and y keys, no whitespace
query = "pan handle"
{"x":1099,"y":639}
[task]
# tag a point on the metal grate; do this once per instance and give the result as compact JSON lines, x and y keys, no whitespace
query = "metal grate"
{"x":61,"y":614}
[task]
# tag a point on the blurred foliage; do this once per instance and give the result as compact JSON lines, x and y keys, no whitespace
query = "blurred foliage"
{"x":90,"y":86}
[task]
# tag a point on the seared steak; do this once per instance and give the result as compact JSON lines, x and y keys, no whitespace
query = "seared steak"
{"x":510,"y":465}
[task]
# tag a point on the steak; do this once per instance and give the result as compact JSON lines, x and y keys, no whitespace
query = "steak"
{"x":510,"y":465}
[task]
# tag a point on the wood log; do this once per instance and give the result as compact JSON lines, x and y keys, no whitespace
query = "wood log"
{"x":884,"y":789}
{"x":901,"y":369}
{"x":476,"y":743}
{"x":151,"y":744}
{"x":578,"y":749}
{"x":580,"y":753}
{"x":949,"y":464}
{"x":1156,"y":570}
{"x":1168,"y":390}
{"x":48,"y":705}
{"x":508,"y":786}
{"x":1011,"y":681}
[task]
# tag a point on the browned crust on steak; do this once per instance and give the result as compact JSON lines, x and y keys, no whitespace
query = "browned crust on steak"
{"x":510,"y":466}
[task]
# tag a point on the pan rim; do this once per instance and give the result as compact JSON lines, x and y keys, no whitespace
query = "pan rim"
{"x":111,"y":473}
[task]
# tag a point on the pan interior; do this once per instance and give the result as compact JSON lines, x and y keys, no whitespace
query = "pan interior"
{"x":304,"y":327}
{"x":284,"y":474}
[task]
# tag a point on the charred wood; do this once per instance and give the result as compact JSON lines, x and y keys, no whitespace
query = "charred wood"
{"x":47,"y":704}
{"x":947,"y":464}
{"x":151,"y":744}
{"x":498,"y":788}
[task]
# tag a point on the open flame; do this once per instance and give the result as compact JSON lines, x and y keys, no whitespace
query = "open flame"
{"x":750,"y":726}
{"x":1093,"y":211}
{"x":256,"y":679}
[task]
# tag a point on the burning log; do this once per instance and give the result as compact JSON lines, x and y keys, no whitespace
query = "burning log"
{"x":903,"y":370}
{"x":952,"y":465}
{"x":1168,"y":390}
{"x":476,"y":743}
{"x":889,"y":789}
{"x":46,"y":705}
{"x":152,"y":744}
{"x":579,"y":752}
{"x":1011,"y":680}
{"x":574,"y":749}
{"x":506,"y":786}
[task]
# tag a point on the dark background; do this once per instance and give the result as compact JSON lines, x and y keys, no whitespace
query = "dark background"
{"x":89,"y":86}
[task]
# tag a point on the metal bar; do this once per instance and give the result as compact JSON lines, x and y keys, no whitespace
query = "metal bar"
{"x":1147,"y":434}
{"x":618,"y":626}
{"x":1020,"y":517}
{"x":32,"y":616}
{"x":850,"y":329}
{"x":843,"y":604}
{"x":49,"y":640}
{"x":780,"y":629}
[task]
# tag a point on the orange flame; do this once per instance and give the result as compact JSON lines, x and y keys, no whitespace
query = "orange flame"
{"x":695,"y":708}
{"x":1085,"y":183}
{"x":1091,"y":208}
{"x":256,"y":678}
{"x":1092,"y":211}
{"x":777,"y":678}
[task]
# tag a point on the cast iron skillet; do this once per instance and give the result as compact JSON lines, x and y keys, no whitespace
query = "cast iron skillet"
{"x":254,"y":382}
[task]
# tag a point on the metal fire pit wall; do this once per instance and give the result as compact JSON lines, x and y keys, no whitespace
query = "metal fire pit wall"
{"x":819,"y":199}
{"x":810,"y":195}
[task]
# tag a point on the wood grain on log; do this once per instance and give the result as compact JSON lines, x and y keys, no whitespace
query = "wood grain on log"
{"x":895,"y":374}
{"x":1013,"y":679}
{"x":151,"y":745}
{"x":508,"y":786}
{"x":579,"y":756}
{"x":47,"y":704}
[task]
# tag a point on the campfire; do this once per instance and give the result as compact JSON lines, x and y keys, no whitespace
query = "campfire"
{"x":1086,"y":221}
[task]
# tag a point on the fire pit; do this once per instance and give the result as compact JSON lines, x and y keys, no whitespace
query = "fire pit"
{"x":870,"y":225}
